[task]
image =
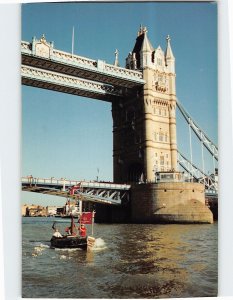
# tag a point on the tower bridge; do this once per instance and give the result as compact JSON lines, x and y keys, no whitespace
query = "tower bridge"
{"x":143,"y":98}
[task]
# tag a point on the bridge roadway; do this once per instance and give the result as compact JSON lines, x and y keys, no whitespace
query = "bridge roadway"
{"x":99,"y":192}
{"x":45,"y":67}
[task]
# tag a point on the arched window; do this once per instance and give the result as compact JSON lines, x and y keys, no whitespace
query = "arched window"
{"x":161,"y":137}
{"x":161,"y":160}
{"x":159,"y":61}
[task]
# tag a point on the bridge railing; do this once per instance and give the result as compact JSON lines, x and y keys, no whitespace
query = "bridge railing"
{"x":65,"y":182}
{"x":51,"y":180}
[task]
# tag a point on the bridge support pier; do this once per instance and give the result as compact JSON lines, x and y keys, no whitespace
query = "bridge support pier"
{"x":173,"y":202}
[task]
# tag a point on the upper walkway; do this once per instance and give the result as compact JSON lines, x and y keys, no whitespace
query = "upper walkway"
{"x":46,"y":67}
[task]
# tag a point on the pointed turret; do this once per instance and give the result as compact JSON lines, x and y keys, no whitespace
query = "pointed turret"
{"x":142,"y":51}
{"x":146,"y":51}
{"x":170,"y":59}
{"x":146,"y":44}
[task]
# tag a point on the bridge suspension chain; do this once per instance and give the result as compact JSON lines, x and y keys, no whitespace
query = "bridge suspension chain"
{"x":200,"y":176}
{"x":202,"y":136}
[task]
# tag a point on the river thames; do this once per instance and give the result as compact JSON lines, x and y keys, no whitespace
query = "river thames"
{"x":128,"y":261}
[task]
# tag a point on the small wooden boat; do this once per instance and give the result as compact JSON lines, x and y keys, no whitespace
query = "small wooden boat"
{"x":69,"y":242}
{"x":75,"y":237}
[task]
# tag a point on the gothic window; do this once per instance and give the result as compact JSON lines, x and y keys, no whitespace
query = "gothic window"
{"x":159,"y":61}
{"x":166,"y":137}
{"x":160,"y":113}
{"x":155,"y":154}
{"x":165,"y":112}
{"x":161,"y":137}
{"x":161,"y":160}
{"x":166,"y":155}
{"x":155,"y":136}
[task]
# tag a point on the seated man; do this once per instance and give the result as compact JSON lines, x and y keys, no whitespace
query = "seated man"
{"x":57,"y":233}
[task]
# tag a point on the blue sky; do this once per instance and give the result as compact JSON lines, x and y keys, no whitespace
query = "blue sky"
{"x":69,"y":136}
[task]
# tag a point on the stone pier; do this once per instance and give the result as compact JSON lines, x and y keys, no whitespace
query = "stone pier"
{"x":173,"y":202}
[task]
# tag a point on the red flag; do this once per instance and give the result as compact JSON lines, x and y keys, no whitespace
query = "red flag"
{"x":86,"y":218}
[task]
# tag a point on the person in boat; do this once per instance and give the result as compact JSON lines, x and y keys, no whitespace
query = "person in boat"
{"x":82,"y":230}
{"x":57,"y":233}
{"x":72,"y":229}
{"x":68,"y":230}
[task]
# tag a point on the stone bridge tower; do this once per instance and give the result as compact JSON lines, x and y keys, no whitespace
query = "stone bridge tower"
{"x":144,"y":123}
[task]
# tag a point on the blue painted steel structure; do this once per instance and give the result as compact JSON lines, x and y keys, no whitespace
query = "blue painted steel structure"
{"x":97,"y":192}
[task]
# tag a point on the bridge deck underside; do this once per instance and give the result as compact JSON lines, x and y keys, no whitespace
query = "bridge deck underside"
{"x":66,"y":89}
{"x":68,"y":84}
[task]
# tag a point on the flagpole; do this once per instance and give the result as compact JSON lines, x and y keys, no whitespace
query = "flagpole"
{"x":73,"y":42}
{"x":92,"y":222}
{"x":80,"y":210}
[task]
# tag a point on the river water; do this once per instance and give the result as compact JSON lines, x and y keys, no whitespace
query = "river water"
{"x":128,"y":261}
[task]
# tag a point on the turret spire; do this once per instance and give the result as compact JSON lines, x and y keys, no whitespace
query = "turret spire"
{"x":116,"y":62}
{"x":146,"y":45}
{"x":142,"y":52}
{"x":169,"y":54}
{"x":169,"y":57}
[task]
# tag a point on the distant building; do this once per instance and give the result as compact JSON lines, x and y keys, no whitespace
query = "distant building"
{"x":33,"y":210}
{"x":30,"y":210}
{"x":51,"y":210}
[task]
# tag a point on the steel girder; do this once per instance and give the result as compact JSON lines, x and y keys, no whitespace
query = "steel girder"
{"x":98,"y":192}
{"x":192,"y":170}
{"x":202,"y":136}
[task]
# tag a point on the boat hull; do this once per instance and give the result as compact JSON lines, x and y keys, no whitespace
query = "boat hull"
{"x":69,"y":242}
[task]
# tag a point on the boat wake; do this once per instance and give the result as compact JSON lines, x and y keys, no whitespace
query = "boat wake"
{"x":99,"y":245}
{"x":68,"y":249}
{"x":42,"y":245}
{"x":38,"y":249}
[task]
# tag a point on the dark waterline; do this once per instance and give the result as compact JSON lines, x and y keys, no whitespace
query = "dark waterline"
{"x":130,"y":261}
